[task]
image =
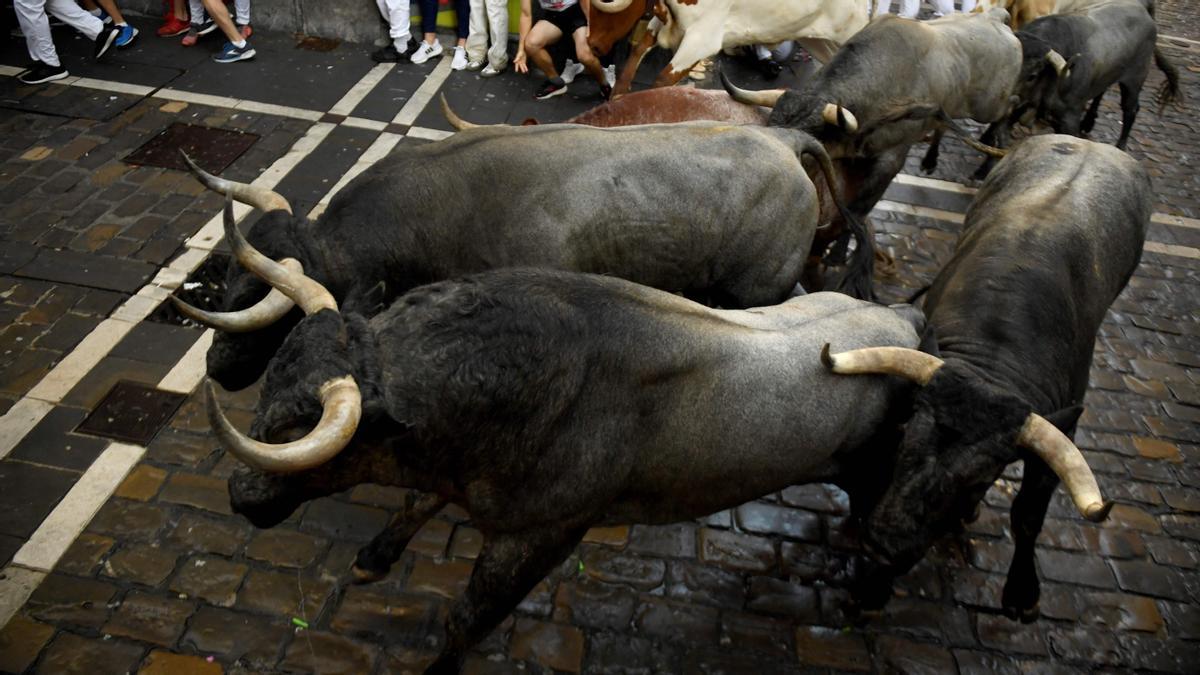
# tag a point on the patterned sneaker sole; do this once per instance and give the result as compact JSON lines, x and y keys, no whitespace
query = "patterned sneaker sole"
{"x":248,"y":54}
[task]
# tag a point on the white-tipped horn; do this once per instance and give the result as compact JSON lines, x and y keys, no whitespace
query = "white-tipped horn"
{"x":1055,"y":59}
{"x":838,"y":116}
{"x":304,"y":291}
{"x":907,"y":363}
{"x":766,"y":97}
{"x":611,"y":6}
{"x":1060,"y":454}
{"x":260,"y":198}
{"x":259,"y":315}
{"x":341,"y":411}
{"x":455,"y":121}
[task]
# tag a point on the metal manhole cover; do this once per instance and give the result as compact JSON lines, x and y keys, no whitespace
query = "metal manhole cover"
{"x":316,"y":44}
{"x":132,"y":412}
{"x":204,"y":288}
{"x":213,"y":149}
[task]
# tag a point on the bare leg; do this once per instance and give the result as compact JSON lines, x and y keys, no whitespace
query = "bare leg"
{"x":584,"y":53}
{"x":217,"y":12}
{"x":1022,"y":589}
{"x":539,"y":37}
{"x":375,"y":559}
{"x":508,"y":567}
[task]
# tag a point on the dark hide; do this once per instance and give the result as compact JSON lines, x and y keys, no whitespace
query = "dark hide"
{"x":1053,"y":236}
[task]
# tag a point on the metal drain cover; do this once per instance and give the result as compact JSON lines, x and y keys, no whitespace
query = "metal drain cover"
{"x":132,"y":412}
{"x":213,"y":149}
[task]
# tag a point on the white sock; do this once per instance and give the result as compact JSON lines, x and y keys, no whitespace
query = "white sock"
{"x":95,"y":12}
{"x":400,"y":45}
{"x":239,"y":44}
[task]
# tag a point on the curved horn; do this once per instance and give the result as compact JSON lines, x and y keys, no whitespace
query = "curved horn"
{"x":831,"y":113}
{"x":611,"y":6}
{"x":260,"y":198}
{"x":907,"y":363}
{"x":1057,"y":451}
{"x":1055,"y":59}
{"x":260,"y":315}
{"x":341,"y":405}
{"x":455,"y":121}
{"x":310,"y":295}
{"x":766,"y":98}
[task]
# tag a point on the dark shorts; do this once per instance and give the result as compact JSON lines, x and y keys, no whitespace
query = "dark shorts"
{"x":568,"y":21}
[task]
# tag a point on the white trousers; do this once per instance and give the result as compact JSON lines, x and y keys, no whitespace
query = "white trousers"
{"x":399,"y":18}
{"x":241,"y":8}
{"x":489,"y":17}
{"x":35,"y":25}
{"x":908,"y":8}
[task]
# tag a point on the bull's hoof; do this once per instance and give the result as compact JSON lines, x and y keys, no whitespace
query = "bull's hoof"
{"x":885,"y":264}
{"x":928,"y":167}
{"x":1023,"y":614}
{"x":366,"y":576}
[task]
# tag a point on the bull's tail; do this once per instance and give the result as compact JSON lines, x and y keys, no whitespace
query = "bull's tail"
{"x":858,"y":280}
{"x":1170,"y":91}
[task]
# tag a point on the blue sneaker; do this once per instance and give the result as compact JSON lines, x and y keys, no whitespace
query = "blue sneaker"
{"x":126,"y":37}
{"x":103,"y":16}
{"x":230,"y":53}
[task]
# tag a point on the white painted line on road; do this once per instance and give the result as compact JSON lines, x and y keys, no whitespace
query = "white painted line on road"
{"x":424,"y":93}
{"x":21,"y":418}
{"x":375,"y":152}
{"x":189,"y":370}
{"x":360,"y":90}
{"x":77,"y":508}
{"x":921,"y":211}
{"x":11,"y":71}
{"x":1172,"y":249}
{"x":194,"y":97}
{"x":1177,"y":221}
{"x":63,"y":377}
{"x":362,"y":123}
{"x":431,"y":134}
{"x":1173,"y":38}
{"x":280,"y":110}
{"x":16,"y":585}
{"x":109,"y":85}
{"x":934,"y":183}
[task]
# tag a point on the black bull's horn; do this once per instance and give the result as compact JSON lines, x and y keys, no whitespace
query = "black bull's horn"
{"x":340,"y":398}
{"x":1037,"y":434}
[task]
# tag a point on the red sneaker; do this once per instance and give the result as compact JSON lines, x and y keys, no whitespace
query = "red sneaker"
{"x":172,"y":27}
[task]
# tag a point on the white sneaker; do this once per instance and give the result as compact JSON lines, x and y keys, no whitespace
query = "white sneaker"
{"x":610,"y":75}
{"x":460,"y":59}
{"x":426,"y":51}
{"x":491,"y":71}
{"x":570,"y":71}
{"x":474,"y":65}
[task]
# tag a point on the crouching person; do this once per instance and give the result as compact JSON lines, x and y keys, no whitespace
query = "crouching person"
{"x":560,"y":17}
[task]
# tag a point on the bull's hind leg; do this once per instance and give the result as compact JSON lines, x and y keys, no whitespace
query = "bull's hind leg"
{"x":1089,"y":120}
{"x":375,"y":559}
{"x":508,"y":567}
{"x":1129,"y":110}
{"x":929,"y":162}
{"x":1022,"y":589}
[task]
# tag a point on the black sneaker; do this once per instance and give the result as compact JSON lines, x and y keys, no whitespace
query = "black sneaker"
{"x":42,"y":72}
{"x":605,"y":92}
{"x":387,"y":54}
{"x":207,"y":27}
{"x":553,"y":87}
{"x":104,"y":41}
{"x":410,"y":49}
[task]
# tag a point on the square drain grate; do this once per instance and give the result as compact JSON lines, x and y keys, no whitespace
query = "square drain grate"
{"x":213,"y":149}
{"x":132,"y":412}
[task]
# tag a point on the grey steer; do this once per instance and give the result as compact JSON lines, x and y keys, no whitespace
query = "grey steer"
{"x":547,"y":402}
{"x":1051,"y":239}
{"x":719,"y":212}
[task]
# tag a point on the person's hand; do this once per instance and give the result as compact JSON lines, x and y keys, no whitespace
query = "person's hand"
{"x":519,"y":63}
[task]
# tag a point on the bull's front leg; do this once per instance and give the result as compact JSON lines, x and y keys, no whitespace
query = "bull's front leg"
{"x":929,"y":162}
{"x":1129,"y":111}
{"x":1089,"y":120}
{"x":1022,"y":589}
{"x":625,"y":82}
{"x":507,"y":569}
{"x":375,"y":559}
{"x":699,"y":42}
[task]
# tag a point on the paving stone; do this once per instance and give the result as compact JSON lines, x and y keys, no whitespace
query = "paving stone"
{"x":128,"y":520}
{"x":1169,"y":656}
{"x":756,"y":633}
{"x":736,"y":551}
{"x":928,"y":621}
{"x":775,"y":596}
{"x":432,"y":539}
{"x":615,"y":653}
{"x":1085,"y":645}
{"x":29,"y":493}
{"x":237,"y":636}
{"x":594,"y":605}
{"x":26,"y":370}
{"x":1121,"y":544}
{"x":156,"y":343}
{"x":202,"y":492}
{"x":149,"y":618}
{"x":51,"y":443}
{"x":912,"y":657}
{"x":981,"y":663}
{"x":1183,"y":527}
{"x":166,"y":663}
{"x":21,"y":640}
{"x":338,"y":520}
{"x":84,"y":554}
{"x":72,"y":654}
{"x":1181,"y":499}
{"x":770,"y":519}
{"x":145,"y":565}
{"x":819,"y":497}
{"x":831,"y":648}
{"x":551,"y":645}
{"x":318,"y":652}
{"x":100,"y":380}
{"x":175,"y":447}
{"x":666,"y":541}
{"x":142,"y":483}
{"x":1000,"y":633}
{"x":70,"y":267}
{"x":466,"y":543}
{"x":283,"y":594}
{"x":608,"y":536}
{"x":1143,"y":577}
{"x":612,"y":567}
{"x":1153,"y":448}
{"x":284,"y":548}
{"x":195,"y":533}
{"x":71,"y":600}
{"x":370,"y":614}
{"x":1074,"y":568}
{"x":704,"y":584}
{"x":1182,"y":620}
{"x":212,"y":579}
{"x":1124,"y":516}
{"x":675,"y":621}
{"x":447,"y":579}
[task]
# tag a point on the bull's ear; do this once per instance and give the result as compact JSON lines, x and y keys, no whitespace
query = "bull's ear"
{"x":1066,"y":419}
{"x":929,"y":343}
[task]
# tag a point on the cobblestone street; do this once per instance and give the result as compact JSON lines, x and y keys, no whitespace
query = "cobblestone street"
{"x":120,"y":552}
